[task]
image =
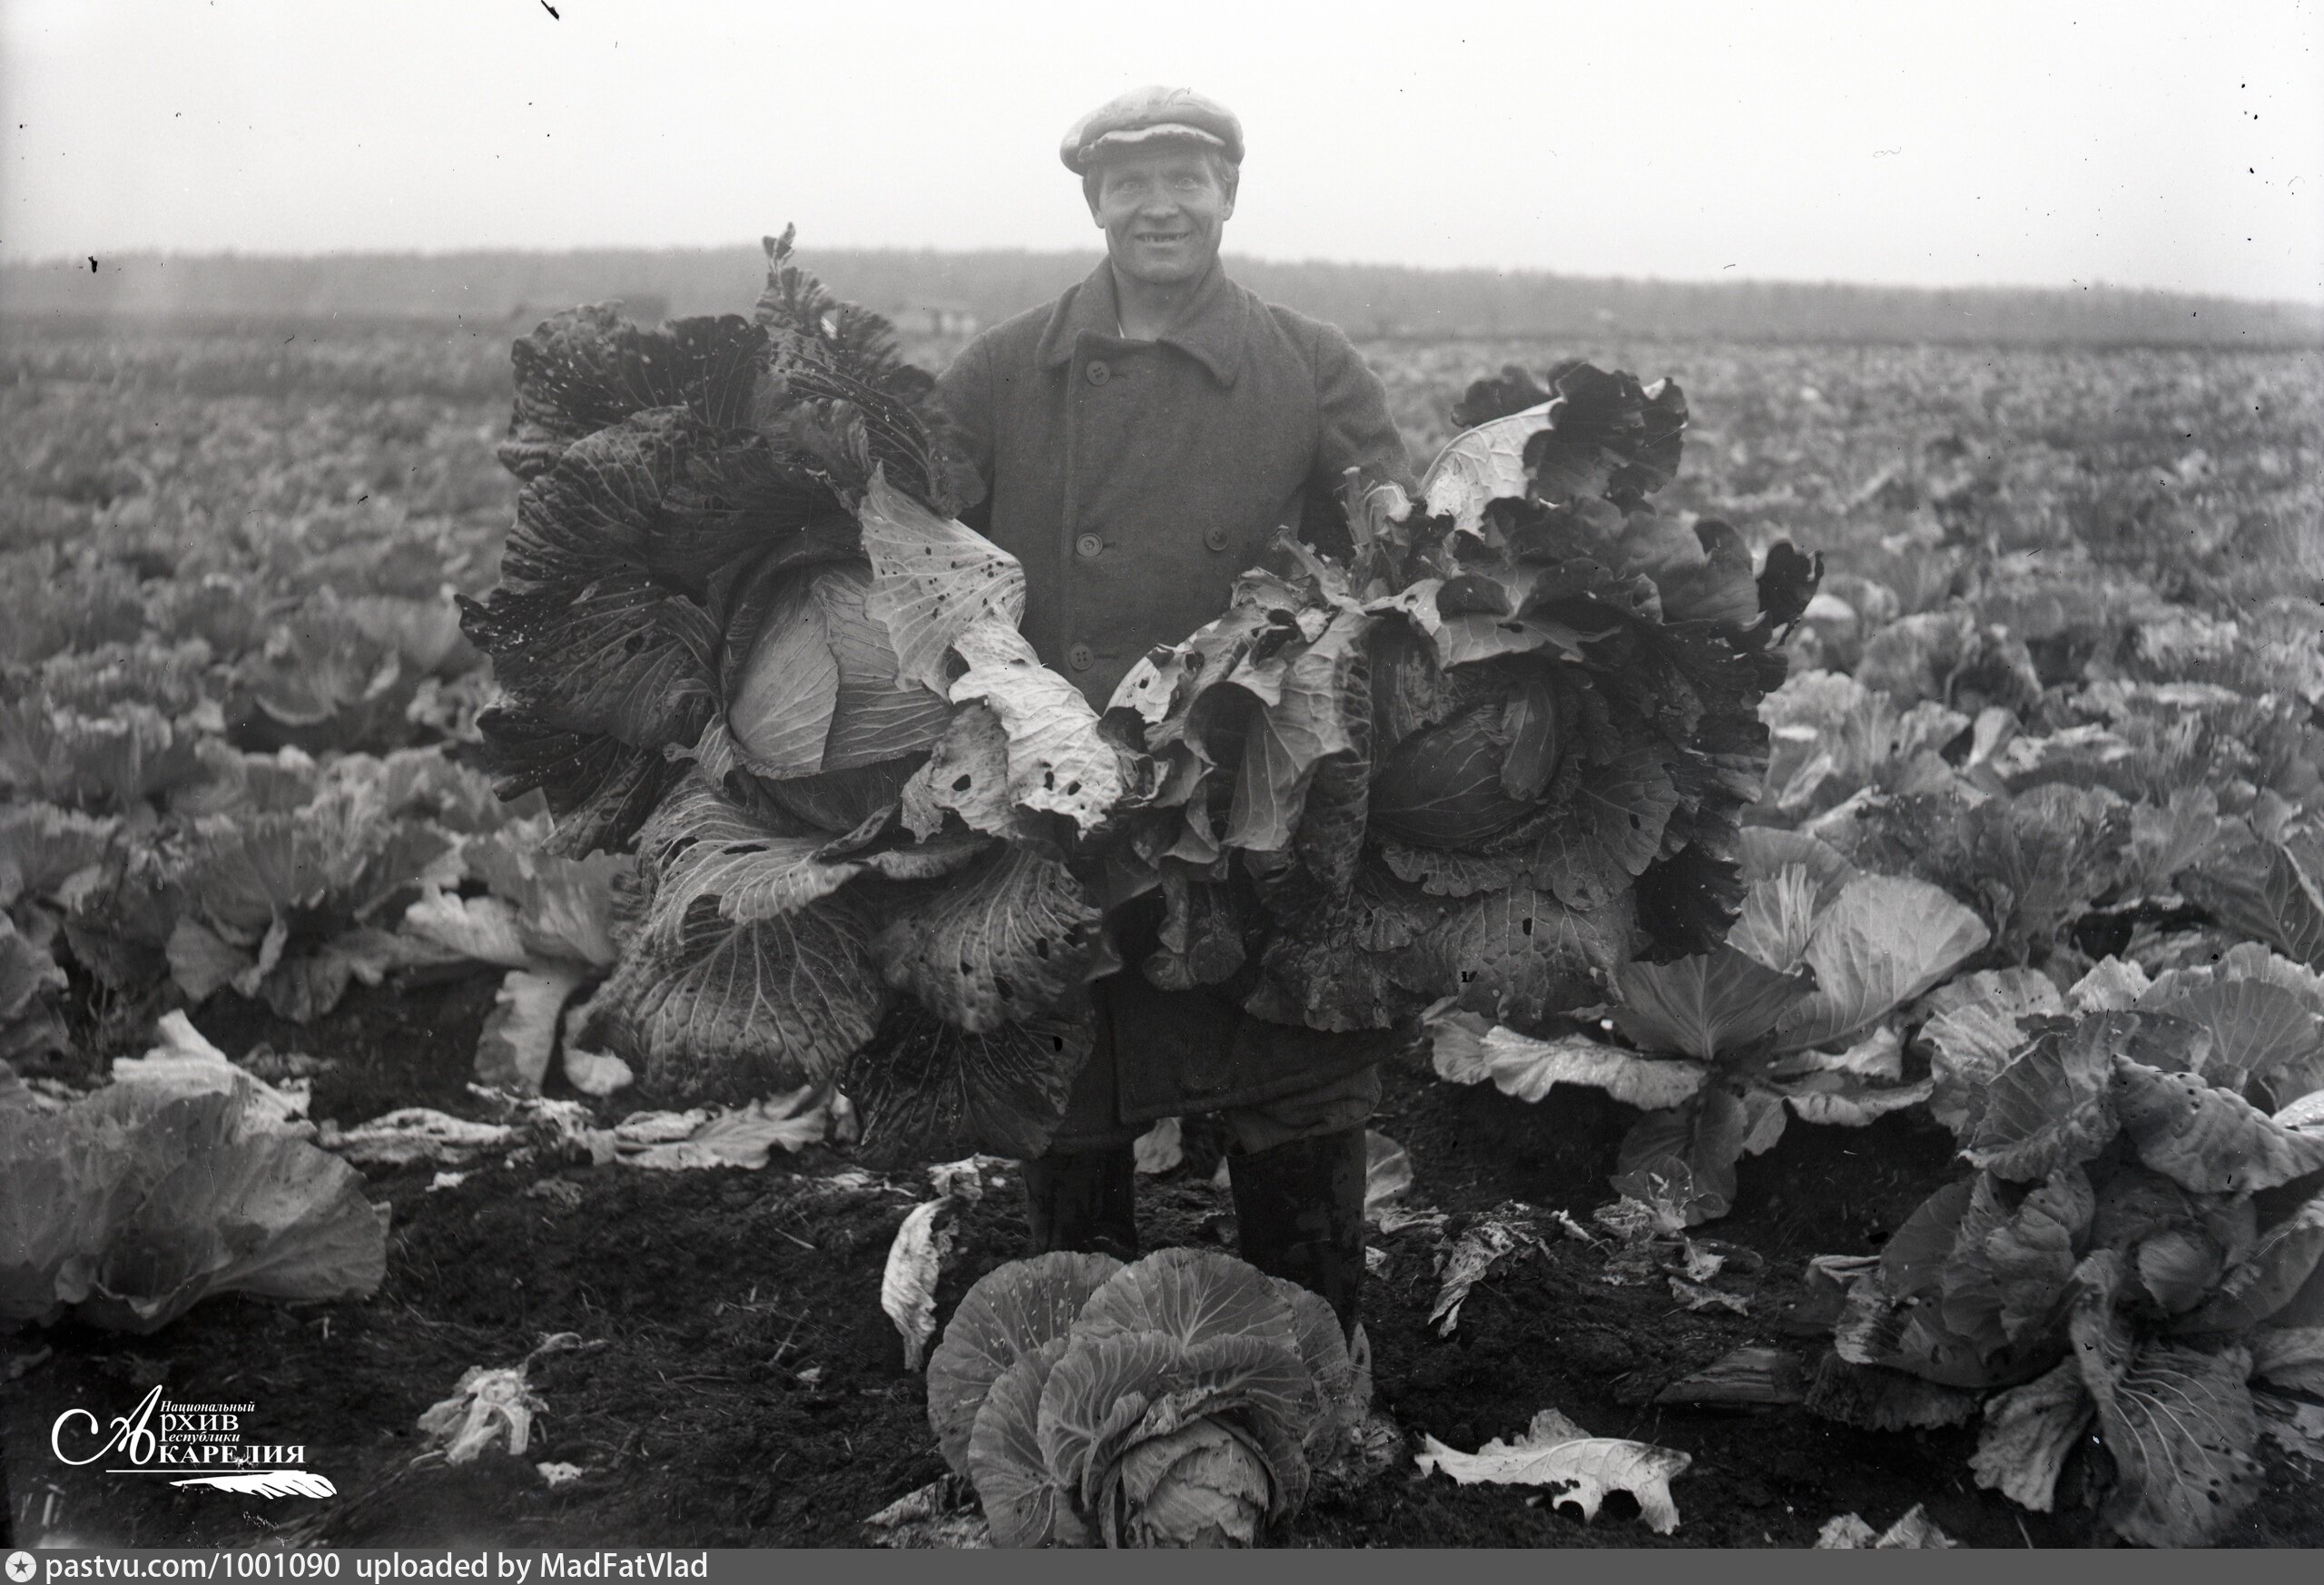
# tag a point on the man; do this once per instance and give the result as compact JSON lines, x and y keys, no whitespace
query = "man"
{"x":1140,"y":440}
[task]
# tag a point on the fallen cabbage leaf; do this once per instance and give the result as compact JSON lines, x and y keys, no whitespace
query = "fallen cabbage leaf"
{"x":490,"y":1404}
{"x":186,"y":1064}
{"x":1479,"y":1250}
{"x":593,"y":1073}
{"x":1914,"y":1529}
{"x":410,"y":1134}
{"x":941,"y":1515}
{"x":1387,"y":1173}
{"x":965,"y":1180}
{"x":1701,"y":1296}
{"x":1467,"y":1049}
{"x":1743,"y":1375}
{"x":744,"y":1137}
{"x":1555,"y":1452}
{"x":1160,"y":1148}
{"x":908,"y":1285}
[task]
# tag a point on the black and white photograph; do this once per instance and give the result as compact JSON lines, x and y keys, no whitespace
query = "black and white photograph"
{"x":1293,"y":774}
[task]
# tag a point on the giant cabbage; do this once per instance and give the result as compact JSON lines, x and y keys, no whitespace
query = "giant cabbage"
{"x":739,"y":633}
{"x":1492,"y":756}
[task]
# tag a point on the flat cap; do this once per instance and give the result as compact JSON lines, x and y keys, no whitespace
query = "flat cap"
{"x":1147,"y":114}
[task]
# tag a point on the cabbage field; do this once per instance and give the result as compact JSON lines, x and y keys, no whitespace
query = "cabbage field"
{"x":1863,"y":1072}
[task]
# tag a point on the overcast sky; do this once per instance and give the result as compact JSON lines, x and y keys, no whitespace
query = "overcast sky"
{"x":2167,"y":145}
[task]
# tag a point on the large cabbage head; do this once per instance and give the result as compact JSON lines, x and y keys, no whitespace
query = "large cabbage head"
{"x":1202,"y":1485}
{"x":814,"y":702}
{"x":1180,"y":1402}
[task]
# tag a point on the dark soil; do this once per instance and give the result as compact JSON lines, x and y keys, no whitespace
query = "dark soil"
{"x":739,"y":1385}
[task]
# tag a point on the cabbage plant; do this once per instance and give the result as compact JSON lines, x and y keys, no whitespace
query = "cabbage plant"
{"x":281,"y":882}
{"x":1495,"y":754}
{"x":49,"y":859}
{"x":549,"y":921}
{"x":2137,"y":1248}
{"x":1184,"y":1401}
{"x":133,"y":1203}
{"x":1795,"y":1012}
{"x":739,"y":631}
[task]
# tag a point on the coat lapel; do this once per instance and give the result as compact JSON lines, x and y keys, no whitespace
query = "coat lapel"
{"x":1211,"y":332}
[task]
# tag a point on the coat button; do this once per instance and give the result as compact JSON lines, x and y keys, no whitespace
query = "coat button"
{"x":1081,"y":657}
{"x":1214,"y":536}
{"x":1088,"y":546}
{"x":1099,"y":374}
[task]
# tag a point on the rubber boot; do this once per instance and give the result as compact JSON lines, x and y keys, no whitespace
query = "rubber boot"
{"x":1299,"y":1215}
{"x":1085,"y":1201}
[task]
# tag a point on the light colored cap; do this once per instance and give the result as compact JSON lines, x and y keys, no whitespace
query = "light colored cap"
{"x":1152,"y":114}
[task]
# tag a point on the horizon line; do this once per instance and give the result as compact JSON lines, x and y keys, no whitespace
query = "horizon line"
{"x":164,"y":255}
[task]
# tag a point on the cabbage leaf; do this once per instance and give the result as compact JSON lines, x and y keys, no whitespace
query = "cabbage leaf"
{"x":134,"y":1204}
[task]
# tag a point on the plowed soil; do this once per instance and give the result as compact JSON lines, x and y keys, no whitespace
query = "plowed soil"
{"x":738,"y":1384}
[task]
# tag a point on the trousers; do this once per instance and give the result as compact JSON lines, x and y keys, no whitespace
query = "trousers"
{"x":1094,"y":1119}
{"x":1183,"y":1053}
{"x":1346,"y":1102}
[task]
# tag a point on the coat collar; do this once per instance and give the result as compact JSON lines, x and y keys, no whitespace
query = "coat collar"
{"x":1211,"y":332}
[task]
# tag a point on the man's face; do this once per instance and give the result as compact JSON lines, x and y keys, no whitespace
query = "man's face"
{"x":1163,"y":210}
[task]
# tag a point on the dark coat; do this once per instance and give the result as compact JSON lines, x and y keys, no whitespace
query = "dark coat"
{"x":1134,"y":481}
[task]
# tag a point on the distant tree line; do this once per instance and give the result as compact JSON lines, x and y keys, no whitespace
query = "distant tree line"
{"x":1370,"y":301}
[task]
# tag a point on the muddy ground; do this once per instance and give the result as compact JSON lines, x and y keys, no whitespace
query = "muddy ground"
{"x":740,"y":1385}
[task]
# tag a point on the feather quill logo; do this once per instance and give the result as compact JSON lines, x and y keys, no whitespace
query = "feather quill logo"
{"x":268,"y":1483}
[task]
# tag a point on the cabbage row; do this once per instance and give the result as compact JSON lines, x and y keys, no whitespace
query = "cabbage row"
{"x":202,"y":589}
{"x":2043,"y":860}
{"x":165,"y":817}
{"x":2126,"y":792}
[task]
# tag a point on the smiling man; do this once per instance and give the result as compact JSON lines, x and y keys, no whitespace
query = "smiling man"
{"x":1140,"y":440}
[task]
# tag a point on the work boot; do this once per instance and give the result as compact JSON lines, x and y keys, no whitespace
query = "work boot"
{"x":1299,"y":1215}
{"x":1085,"y":1201}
